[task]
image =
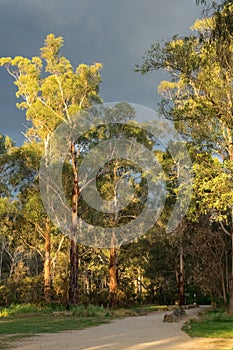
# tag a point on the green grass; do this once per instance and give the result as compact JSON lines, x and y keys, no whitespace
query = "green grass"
{"x":30,"y":319}
{"x":211,"y":324}
{"x":19,"y":321}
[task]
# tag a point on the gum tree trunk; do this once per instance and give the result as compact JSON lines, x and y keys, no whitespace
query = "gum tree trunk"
{"x":47,"y":263}
{"x":230,"y":149}
{"x":47,"y":237}
{"x":73,"y":284}
{"x":181,"y":278}
{"x":230,"y":307}
{"x":113,"y":272}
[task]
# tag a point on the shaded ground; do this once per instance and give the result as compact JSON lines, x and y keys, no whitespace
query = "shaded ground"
{"x":131,"y":333}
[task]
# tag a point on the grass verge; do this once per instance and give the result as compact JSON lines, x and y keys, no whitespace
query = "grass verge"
{"x":214,"y":324}
{"x":19,"y":321}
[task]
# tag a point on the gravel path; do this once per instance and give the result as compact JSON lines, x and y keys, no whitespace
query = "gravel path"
{"x":132,"y":333}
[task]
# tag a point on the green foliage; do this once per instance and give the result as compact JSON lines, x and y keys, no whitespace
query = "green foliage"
{"x":211,"y":324}
{"x":199,"y":100}
{"x":26,"y":289}
{"x":50,"y":89}
{"x":16,"y":309}
{"x":198,"y":95}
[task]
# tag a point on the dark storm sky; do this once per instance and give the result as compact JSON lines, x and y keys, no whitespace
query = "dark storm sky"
{"x":115,"y":33}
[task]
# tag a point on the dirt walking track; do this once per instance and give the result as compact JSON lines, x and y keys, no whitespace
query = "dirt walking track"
{"x":132,"y":333}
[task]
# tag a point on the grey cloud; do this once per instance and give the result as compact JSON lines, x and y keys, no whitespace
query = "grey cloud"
{"x":116,"y":33}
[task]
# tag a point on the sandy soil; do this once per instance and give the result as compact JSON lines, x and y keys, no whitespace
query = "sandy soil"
{"x":131,"y":333}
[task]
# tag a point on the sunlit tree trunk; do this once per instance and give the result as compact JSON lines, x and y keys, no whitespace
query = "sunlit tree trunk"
{"x":181,"y":278}
{"x":113,"y":272}
{"x":223,"y":285}
{"x":230,"y":308}
{"x":47,"y":237}
{"x":47,"y":263}
{"x":113,"y":265}
{"x":1,"y":258}
{"x":230,"y":150}
{"x":73,"y":285}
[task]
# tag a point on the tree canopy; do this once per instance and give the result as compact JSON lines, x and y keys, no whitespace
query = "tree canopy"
{"x":198,"y":98}
{"x":39,"y":264}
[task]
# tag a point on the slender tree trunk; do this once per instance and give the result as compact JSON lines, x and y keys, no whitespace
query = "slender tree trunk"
{"x":230,"y":307}
{"x":47,"y":256}
{"x":223,"y":285}
{"x":113,"y":272}
{"x":113,"y":265}
{"x":227,"y":273}
{"x":181,"y":278}
{"x":1,"y":258}
{"x":47,"y":263}
{"x":73,"y":285}
{"x":230,"y":149}
{"x":87,"y":284}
